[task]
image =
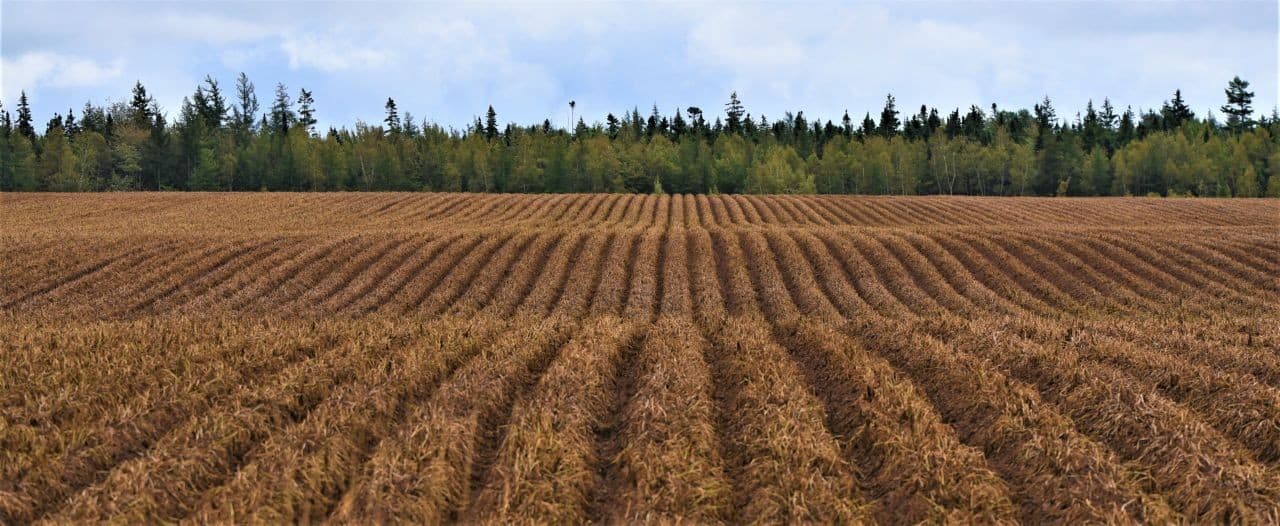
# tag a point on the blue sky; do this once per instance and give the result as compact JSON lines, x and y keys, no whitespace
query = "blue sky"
{"x":447,"y":62}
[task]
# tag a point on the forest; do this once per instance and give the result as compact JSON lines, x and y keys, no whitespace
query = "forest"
{"x":227,"y":141}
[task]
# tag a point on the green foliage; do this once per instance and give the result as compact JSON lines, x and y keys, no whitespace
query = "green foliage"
{"x":781,"y":172}
{"x":215,"y":144}
{"x":22,"y":164}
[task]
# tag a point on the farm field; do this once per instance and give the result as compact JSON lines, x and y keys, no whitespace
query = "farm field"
{"x":427,"y":358}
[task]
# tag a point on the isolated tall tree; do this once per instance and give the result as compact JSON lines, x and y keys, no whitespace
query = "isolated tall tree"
{"x":888,"y":119}
{"x":1239,"y":106}
{"x":393,"y":117}
{"x":244,"y":114}
{"x":733,"y":109}
{"x":24,"y":118}
{"x":491,"y":124}
{"x":306,"y":111}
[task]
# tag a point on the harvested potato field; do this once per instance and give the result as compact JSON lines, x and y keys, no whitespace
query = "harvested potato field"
{"x":427,"y":358}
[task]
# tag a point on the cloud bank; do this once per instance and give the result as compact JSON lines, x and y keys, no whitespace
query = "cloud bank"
{"x":449,"y":62}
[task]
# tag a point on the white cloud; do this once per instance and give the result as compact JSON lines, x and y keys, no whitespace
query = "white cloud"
{"x":331,"y":53}
{"x":32,"y":70}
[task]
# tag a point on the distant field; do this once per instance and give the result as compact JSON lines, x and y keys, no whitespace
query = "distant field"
{"x":561,"y":358}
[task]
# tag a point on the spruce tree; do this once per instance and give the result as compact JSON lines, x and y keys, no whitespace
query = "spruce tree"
{"x":1127,"y":128}
{"x":1177,"y":112}
{"x":393,"y":117}
{"x":733,"y":109}
{"x":243,"y":115}
{"x":889,"y":122}
{"x":140,"y":106}
{"x":868,"y":126}
{"x":69,"y":124}
{"x":282,"y":117}
{"x":214,"y":112}
{"x":25,"y":128}
{"x":491,"y":124}
{"x":306,"y":112}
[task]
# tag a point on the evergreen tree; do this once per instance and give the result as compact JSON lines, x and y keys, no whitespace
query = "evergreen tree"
{"x":1127,"y":129}
{"x":1107,"y":118}
{"x":282,"y":117}
{"x":973,"y":123}
{"x":612,"y":125}
{"x":678,"y":127}
{"x":933,"y":123}
{"x":868,"y":127}
{"x":1046,"y":118}
{"x":140,"y":106}
{"x":889,"y":122}
{"x":393,"y":117}
{"x":1177,"y":112}
{"x":69,"y":124}
{"x":306,"y":111}
{"x":25,"y":128}
{"x":155,"y":170}
{"x":1091,"y":130}
{"x":491,"y":124}
{"x":214,"y":111}
{"x":1239,"y":106}
{"x":733,"y":109}
{"x":244,"y":114}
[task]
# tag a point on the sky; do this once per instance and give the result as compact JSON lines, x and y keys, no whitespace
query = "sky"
{"x":448,"y":62}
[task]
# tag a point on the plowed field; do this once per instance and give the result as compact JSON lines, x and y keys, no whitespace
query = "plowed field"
{"x":433,"y":358}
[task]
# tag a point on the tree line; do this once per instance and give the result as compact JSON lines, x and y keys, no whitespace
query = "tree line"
{"x":227,"y":141}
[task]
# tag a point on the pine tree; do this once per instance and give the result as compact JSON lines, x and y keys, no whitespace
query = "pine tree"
{"x":491,"y":124}
{"x":612,"y":125}
{"x":1239,"y":106}
{"x":1125,"y":133}
{"x":393,"y":117}
{"x":889,"y":122}
{"x":140,"y":106}
{"x":934,"y":123}
{"x":25,"y":128}
{"x":1177,"y":112}
{"x":733,"y":109}
{"x":243,"y":115}
{"x":215,"y":111}
{"x":1108,"y":115}
{"x":868,"y":127}
{"x":1091,"y":130}
{"x":1046,"y":118}
{"x":306,"y":113}
{"x":69,"y":124}
{"x":282,"y":117}
{"x":973,"y":123}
